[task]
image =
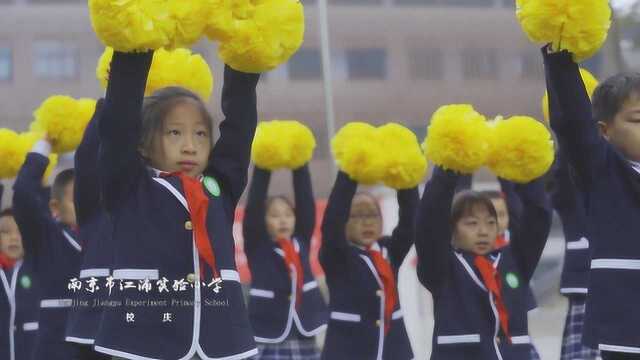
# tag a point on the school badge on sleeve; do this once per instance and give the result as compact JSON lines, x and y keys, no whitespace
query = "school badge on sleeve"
{"x":211,"y":185}
{"x":512,"y":280}
{"x":25,"y":282}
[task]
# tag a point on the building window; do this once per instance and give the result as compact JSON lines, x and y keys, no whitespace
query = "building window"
{"x":6,"y":64}
{"x":363,"y":64}
{"x":426,"y":64}
{"x":55,"y":60}
{"x":479,"y":64}
{"x":306,"y":64}
{"x":531,"y":66}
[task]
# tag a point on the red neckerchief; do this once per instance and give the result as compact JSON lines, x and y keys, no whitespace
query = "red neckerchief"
{"x":389,"y":285}
{"x":501,"y":242}
{"x":292,"y":259}
{"x":6,"y":263}
{"x":493,"y":283}
{"x":198,"y":203}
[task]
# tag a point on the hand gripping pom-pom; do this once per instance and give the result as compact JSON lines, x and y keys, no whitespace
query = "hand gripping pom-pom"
{"x":266,"y":39}
{"x":358,"y":152}
{"x":457,"y":139}
{"x":590,"y":83}
{"x":64,"y":120}
{"x":521,"y":150}
{"x":282,"y":144}
{"x":404,"y":162}
{"x":577,"y":26}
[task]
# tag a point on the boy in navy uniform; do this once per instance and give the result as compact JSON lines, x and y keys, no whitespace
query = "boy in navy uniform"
{"x":607,"y":170}
{"x":19,"y":298}
{"x":50,"y":239}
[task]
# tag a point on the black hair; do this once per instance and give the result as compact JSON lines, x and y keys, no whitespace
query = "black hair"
{"x":272,"y":199}
{"x":465,"y":201}
{"x":64,"y":178}
{"x":610,"y":96}
{"x":156,"y":107}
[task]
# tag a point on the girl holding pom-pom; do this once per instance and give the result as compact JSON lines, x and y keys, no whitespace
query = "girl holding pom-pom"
{"x":171,"y":197}
{"x":480,"y":293}
{"x":361,"y":268}
{"x":286,"y":307}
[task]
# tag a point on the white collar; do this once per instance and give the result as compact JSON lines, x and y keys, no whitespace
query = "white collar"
{"x":635,"y":166}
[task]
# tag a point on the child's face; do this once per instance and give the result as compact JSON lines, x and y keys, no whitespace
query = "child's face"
{"x":63,"y":209}
{"x":477,"y":231}
{"x":183,"y":143}
{"x":503,"y":214}
{"x":623,"y":131}
{"x":364,"y":227}
{"x":280,"y":220}
{"x":10,"y":238}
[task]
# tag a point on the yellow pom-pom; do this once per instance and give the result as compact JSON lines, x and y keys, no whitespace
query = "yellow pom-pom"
{"x":457,"y":139}
{"x":521,"y":150}
{"x":302,"y":143}
{"x":282,"y":144}
{"x":590,"y":83}
{"x":404,"y":162}
{"x":179,"y":67}
{"x":577,"y":26}
{"x":191,"y":18}
{"x":358,"y":152}
{"x":63,"y":119}
{"x":266,"y":39}
{"x":12,"y":153}
{"x":133,"y":25}
{"x":104,"y":66}
{"x":225,"y":17}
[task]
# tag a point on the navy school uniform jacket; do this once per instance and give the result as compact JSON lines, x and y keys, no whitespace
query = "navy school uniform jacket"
{"x":54,"y":251}
{"x":356,"y":324}
{"x":272,"y":296}
{"x":94,"y":231}
{"x":611,"y":195}
{"x":514,"y":208}
{"x":152,"y":235}
{"x":466,"y":321}
{"x":19,"y":309}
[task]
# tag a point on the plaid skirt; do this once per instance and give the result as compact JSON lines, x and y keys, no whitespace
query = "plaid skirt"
{"x":572,"y":348}
{"x":291,"y":349}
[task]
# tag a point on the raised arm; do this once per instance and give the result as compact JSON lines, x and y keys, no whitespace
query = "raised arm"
{"x":576,"y":128}
{"x":433,"y":229}
{"x":31,"y":211}
{"x":120,"y":164}
{"x":403,"y":235}
{"x":254,"y":226}
{"x":305,"y":204}
{"x":87,"y":176}
{"x":231,"y":154}
{"x":336,"y":216}
{"x":530,"y":237}
{"x":513,"y":202}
